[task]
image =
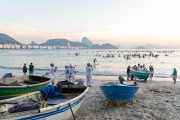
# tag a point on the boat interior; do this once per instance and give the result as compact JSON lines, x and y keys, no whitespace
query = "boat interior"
{"x":37,"y":99}
{"x":25,"y":80}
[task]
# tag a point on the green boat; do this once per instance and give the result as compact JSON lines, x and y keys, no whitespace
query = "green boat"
{"x":16,"y":86}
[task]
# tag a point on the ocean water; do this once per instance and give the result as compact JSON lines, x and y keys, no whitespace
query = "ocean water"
{"x":13,"y":60}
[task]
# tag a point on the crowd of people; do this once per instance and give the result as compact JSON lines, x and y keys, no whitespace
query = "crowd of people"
{"x":140,"y":68}
{"x":151,"y":70}
{"x":70,"y":72}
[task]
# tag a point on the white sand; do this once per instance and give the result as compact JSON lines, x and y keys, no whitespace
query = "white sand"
{"x":155,"y":100}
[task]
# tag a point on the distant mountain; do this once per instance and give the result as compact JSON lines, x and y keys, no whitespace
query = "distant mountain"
{"x":103,"y":46}
{"x":95,"y":46}
{"x":62,"y":42}
{"x":118,"y":46}
{"x":33,"y":43}
{"x":150,"y":46}
{"x":140,"y":47}
{"x":5,"y":39}
{"x":86,"y":41}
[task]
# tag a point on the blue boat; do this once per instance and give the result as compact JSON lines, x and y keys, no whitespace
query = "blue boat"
{"x":140,"y":74}
{"x":118,"y":91}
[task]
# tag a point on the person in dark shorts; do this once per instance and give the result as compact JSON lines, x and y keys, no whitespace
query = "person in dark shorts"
{"x":151,"y":69}
{"x":128,"y":72}
{"x":31,"y":68}
{"x":174,"y":75}
{"x":24,"y":69}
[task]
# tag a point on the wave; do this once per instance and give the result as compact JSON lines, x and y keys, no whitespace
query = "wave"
{"x":20,"y":68}
{"x":98,"y":73}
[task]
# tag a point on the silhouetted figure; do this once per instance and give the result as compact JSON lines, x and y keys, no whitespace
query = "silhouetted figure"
{"x":31,"y":68}
{"x":24,"y":69}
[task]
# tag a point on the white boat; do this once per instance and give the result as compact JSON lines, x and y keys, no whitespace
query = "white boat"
{"x":59,"y":109}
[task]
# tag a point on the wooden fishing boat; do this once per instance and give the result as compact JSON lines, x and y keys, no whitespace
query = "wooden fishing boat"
{"x":56,"y":109}
{"x":118,"y":91}
{"x":140,"y":74}
{"x":16,"y":86}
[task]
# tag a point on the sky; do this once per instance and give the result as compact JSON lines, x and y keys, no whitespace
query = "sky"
{"x":119,"y":22}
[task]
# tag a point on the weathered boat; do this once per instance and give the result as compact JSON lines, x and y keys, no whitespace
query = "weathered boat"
{"x":16,"y":86}
{"x":140,"y":74}
{"x":56,"y":108}
{"x":118,"y":91}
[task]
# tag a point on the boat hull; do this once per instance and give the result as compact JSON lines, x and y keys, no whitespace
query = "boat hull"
{"x":64,"y":113}
{"x":140,"y":75}
{"x":13,"y":91}
{"x":60,"y":111}
{"x":119,"y":92}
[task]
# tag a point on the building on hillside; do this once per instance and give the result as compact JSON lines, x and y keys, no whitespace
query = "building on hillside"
{"x":17,"y":46}
{"x":36,"y":47}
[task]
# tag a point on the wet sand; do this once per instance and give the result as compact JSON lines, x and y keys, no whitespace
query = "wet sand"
{"x":157,"y":99}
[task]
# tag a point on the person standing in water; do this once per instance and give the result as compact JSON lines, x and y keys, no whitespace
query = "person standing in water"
{"x":94,"y":60}
{"x":89,"y":70}
{"x":174,"y":75}
{"x":24,"y":69}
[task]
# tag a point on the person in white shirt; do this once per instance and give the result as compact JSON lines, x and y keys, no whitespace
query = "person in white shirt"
{"x":139,"y":68}
{"x":72,"y":73}
{"x":52,"y":72}
{"x":89,"y":70}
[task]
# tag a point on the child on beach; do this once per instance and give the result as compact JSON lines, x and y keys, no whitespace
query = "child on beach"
{"x":174,"y":75}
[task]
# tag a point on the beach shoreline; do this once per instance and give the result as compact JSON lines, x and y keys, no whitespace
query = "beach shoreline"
{"x":155,"y":100}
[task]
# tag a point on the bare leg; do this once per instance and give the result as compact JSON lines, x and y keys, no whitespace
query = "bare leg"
{"x":174,"y":80}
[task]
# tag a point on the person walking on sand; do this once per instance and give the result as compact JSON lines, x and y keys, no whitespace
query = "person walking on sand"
{"x":31,"y":68}
{"x":24,"y":69}
{"x":128,"y":72}
{"x":174,"y":75}
{"x":89,"y":70}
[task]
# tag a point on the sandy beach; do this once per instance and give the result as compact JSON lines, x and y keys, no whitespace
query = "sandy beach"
{"x":157,"y":99}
